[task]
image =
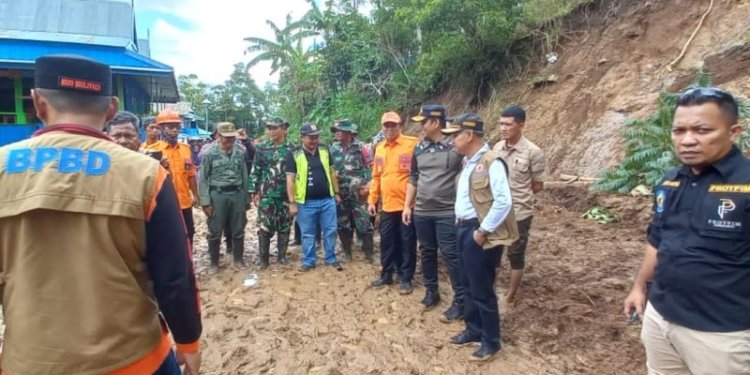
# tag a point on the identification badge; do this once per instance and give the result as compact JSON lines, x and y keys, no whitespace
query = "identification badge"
{"x":404,"y":163}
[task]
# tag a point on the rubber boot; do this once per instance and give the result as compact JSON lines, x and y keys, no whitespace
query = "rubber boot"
{"x":346,"y":244}
{"x":264,"y":247}
{"x":238,"y":250}
{"x":282,"y":244}
{"x":368,"y":247}
{"x":213,"y":253}
{"x":228,"y":242}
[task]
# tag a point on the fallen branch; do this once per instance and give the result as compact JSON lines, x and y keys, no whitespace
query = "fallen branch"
{"x":572,"y":178}
{"x":695,"y":32}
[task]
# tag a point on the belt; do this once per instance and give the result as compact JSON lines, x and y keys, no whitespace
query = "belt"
{"x":467,"y":223}
{"x":226,"y":189}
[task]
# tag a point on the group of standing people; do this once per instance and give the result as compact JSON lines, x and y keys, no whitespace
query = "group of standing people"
{"x":97,"y":271}
{"x":445,"y":190}
{"x":449,"y":191}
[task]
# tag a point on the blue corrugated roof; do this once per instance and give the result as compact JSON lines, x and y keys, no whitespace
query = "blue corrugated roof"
{"x":16,"y":53}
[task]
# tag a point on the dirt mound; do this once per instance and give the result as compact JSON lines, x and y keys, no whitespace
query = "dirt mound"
{"x":568,"y":320}
{"x":613,"y":62}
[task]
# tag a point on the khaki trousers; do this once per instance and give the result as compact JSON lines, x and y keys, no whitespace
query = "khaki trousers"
{"x":675,"y":350}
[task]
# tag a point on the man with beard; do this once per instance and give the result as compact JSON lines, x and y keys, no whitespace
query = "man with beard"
{"x":312,"y":190}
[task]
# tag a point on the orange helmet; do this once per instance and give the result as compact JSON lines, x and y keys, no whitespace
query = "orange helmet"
{"x":167,"y":116}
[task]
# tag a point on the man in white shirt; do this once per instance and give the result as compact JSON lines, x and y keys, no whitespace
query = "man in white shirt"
{"x":485,"y":222}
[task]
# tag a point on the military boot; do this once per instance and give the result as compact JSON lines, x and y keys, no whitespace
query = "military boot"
{"x":213,"y":253}
{"x":282,"y":244}
{"x":264,"y":247}
{"x":346,"y":244}
{"x":228,"y":242}
{"x":368,"y":247}
{"x":238,"y":250}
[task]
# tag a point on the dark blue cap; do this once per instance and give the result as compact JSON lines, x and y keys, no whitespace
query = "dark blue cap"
{"x":73,"y":73}
{"x":430,"y":111}
{"x":466,"y":121}
{"x":309,"y":129}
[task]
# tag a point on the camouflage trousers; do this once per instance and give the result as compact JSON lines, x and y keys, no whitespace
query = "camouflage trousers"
{"x":273,"y":215}
{"x":352,"y":213}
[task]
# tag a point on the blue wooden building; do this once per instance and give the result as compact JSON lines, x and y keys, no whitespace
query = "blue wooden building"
{"x":103,"y":30}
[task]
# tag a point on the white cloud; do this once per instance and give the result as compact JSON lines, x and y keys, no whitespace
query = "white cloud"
{"x":214,"y":43}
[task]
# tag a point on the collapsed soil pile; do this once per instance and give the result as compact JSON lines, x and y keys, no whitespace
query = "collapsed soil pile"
{"x":568,"y":319}
{"x":613,"y":62}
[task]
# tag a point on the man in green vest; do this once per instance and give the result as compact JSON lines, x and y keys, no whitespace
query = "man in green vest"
{"x":484,"y":222}
{"x":313,"y":192}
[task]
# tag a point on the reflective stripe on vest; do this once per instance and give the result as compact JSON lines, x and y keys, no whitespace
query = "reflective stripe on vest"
{"x":300,"y":182}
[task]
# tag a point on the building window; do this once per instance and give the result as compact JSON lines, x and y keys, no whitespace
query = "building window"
{"x":28,"y":103}
{"x":7,"y":101}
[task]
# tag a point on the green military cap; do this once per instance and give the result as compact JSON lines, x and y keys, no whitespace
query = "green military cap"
{"x":344,"y":126}
{"x":276,"y":122}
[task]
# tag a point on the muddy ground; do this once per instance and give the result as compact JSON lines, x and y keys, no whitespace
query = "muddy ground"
{"x":568,"y":320}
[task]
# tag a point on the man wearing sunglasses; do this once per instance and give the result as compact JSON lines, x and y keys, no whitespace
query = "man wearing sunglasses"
{"x":696,"y":316}
{"x":485,"y":222}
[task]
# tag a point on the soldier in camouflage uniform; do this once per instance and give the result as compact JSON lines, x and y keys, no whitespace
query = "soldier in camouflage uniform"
{"x":351,"y":164}
{"x":267,"y":184}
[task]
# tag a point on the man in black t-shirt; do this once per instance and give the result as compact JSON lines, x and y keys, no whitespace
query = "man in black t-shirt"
{"x":696,"y":317}
{"x":313,"y":191}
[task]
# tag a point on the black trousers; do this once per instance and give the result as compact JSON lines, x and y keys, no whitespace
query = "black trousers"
{"x":187,"y":215}
{"x":435,"y":232}
{"x":398,"y":246}
{"x":481,"y":312}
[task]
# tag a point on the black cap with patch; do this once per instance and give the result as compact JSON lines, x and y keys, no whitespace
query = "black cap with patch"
{"x":73,"y":73}
{"x":466,"y":121}
{"x":430,"y":111}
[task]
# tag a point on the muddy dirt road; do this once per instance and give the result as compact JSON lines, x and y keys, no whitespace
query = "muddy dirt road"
{"x":568,"y":320}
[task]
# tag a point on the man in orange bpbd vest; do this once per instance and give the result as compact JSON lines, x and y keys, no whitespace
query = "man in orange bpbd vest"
{"x":93,"y":242}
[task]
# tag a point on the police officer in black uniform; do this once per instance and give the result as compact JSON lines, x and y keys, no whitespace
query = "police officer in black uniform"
{"x":696,"y":318}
